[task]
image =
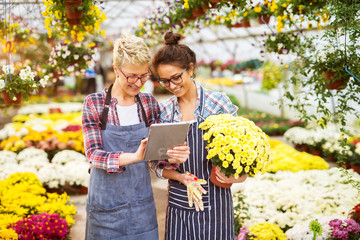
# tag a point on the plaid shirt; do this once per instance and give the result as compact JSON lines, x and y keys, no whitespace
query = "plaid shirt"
{"x":91,"y":118}
{"x":215,"y":103}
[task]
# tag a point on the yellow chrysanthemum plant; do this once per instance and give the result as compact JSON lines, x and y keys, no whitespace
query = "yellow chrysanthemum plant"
{"x":57,"y":21}
{"x":236,"y":145}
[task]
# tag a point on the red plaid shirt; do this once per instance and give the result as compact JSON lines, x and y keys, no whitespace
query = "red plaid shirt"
{"x":91,"y":115}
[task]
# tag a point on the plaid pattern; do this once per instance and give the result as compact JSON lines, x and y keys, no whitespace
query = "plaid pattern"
{"x":91,"y":115}
{"x":215,"y":103}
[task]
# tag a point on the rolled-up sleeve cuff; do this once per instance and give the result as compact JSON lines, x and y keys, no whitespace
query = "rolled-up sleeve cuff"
{"x":113,"y":163}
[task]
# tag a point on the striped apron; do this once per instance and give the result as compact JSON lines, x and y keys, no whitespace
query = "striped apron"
{"x":217,"y":219}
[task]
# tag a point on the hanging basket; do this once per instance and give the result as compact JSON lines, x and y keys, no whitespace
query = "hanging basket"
{"x":71,"y":8}
{"x":334,"y":83}
{"x":8,"y":100}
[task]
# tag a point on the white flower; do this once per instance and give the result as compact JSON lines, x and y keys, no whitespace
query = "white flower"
{"x":76,"y":56}
{"x":166,"y":20}
{"x":86,"y":57}
{"x":23,"y":74}
{"x":272,"y":38}
{"x":7,"y":68}
{"x":43,"y":82}
{"x":2,"y":83}
{"x":78,"y":45}
{"x":14,"y":98}
{"x":71,"y":68}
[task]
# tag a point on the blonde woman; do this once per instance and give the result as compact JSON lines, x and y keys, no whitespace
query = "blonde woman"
{"x":120,"y":203}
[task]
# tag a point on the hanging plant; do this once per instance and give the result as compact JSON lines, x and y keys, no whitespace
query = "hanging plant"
{"x":71,"y":58}
{"x":66,"y":20}
{"x":282,"y":43}
{"x":15,"y":85}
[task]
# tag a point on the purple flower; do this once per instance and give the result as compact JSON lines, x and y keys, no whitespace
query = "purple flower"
{"x":340,"y":233}
{"x":335,"y":223}
{"x":352,"y":226}
{"x":243,"y":232}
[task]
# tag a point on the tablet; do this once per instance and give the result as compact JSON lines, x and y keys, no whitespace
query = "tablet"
{"x":163,"y":136}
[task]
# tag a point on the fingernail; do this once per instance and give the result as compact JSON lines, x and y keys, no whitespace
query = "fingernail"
{"x":195,"y":178}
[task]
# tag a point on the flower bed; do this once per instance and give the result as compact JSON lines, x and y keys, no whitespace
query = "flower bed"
{"x":50,"y":132}
{"x":326,"y":142}
{"x":270,"y":124}
{"x":286,"y":157}
{"x":286,"y":198}
{"x":24,"y":200}
{"x":66,"y":168}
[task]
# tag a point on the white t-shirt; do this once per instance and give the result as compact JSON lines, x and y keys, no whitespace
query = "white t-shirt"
{"x":128,"y":115}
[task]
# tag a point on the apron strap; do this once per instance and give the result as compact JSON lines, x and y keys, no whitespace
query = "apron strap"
{"x":105,"y":112}
{"x":142,"y":110}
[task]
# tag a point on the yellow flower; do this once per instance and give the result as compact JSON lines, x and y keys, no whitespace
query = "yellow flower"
{"x":225,"y":164}
{"x":257,"y":9}
{"x":229,"y":157}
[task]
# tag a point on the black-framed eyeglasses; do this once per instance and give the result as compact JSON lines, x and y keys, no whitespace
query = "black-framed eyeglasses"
{"x":134,"y":79}
{"x":177,"y":79}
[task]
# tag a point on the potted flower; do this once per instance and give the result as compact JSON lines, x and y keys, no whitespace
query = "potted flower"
{"x":72,"y":58}
{"x":329,"y":65}
{"x":64,"y":16}
{"x":282,"y":43}
{"x":259,"y":12}
{"x":235,"y":145}
{"x":14,"y":85}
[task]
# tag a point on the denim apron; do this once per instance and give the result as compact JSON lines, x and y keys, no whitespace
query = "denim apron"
{"x":120,"y":206}
{"x":217,"y":219}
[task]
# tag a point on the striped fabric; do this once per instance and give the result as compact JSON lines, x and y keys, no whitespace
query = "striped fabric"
{"x":91,"y":115}
{"x":214,"y":103}
{"x":217,"y":219}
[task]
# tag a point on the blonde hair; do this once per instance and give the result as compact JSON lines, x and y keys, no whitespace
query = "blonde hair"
{"x":130,"y":49}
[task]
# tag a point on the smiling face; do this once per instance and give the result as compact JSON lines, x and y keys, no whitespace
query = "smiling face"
{"x":167,"y":71}
{"x":132,"y":86}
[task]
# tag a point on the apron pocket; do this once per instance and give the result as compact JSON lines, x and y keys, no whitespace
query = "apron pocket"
{"x":143,"y":216}
{"x":108,"y":223}
{"x":132,"y":145}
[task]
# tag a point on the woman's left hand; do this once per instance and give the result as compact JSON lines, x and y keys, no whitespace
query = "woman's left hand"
{"x":178,"y":154}
{"x":221,"y":177}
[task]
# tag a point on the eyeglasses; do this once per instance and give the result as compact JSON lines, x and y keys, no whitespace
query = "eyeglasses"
{"x":134,"y":79}
{"x":165,"y":82}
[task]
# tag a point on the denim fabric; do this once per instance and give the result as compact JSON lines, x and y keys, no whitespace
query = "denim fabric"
{"x":121,"y":205}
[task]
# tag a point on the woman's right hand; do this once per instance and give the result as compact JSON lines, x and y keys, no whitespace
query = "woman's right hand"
{"x":127,"y":158}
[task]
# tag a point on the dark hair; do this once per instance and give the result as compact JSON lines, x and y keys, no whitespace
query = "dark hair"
{"x":174,"y":53}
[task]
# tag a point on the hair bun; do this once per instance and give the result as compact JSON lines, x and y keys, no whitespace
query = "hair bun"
{"x":172,"y":38}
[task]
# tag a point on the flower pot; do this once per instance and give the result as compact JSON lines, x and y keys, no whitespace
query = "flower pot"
{"x":264,"y":19}
{"x":71,"y":9}
{"x":345,"y":165}
{"x":8,"y":100}
{"x":316,"y":152}
{"x":74,"y":21}
{"x":243,"y":23}
{"x":304,"y":148}
{"x":216,"y":182}
{"x":198,"y":12}
{"x":333,"y":83}
{"x":331,"y":159}
{"x":356,"y":168}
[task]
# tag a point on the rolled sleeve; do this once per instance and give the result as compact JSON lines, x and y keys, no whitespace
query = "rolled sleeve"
{"x":94,"y":151}
{"x":159,"y":165}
